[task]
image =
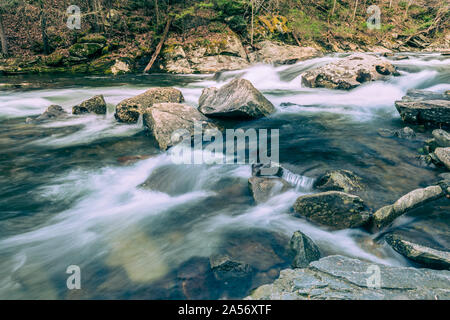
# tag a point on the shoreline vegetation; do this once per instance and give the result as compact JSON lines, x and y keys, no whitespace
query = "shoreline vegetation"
{"x":184,"y":37}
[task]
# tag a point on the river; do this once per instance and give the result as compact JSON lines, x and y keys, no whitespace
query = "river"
{"x":70,"y":194}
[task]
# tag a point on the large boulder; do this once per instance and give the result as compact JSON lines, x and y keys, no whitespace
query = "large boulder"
{"x":334,"y":209}
{"x":339,"y":180}
{"x":130,"y":109}
{"x":204,"y":51}
{"x":343,"y":278}
{"x":95,"y":105}
{"x":163,"y":119}
{"x":263,"y":188}
{"x":424,"y":255}
{"x":408,"y":202}
{"x":348,"y":73}
{"x":238,"y":99}
{"x":274,"y":53}
{"x":303,"y":249}
{"x":424,"y":107}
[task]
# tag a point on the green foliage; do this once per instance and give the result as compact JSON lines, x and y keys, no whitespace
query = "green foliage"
{"x":237,"y":24}
{"x":305,"y":25}
{"x":231,"y":8}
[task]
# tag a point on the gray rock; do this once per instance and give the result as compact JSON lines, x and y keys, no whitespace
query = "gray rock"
{"x":130,"y":109}
{"x":52,"y":112}
{"x":442,"y":138}
{"x":429,"y":257}
{"x":238,"y":99}
{"x":405,"y":133}
{"x":263,"y":188}
{"x":443,"y":156}
{"x":424,"y":107}
{"x":409,"y":201}
{"x":163,"y":119}
{"x":339,"y":180}
{"x":304,"y":250}
{"x":343,"y":278}
{"x":350,"y":72}
{"x":221,"y":52}
{"x":95,"y":105}
{"x":334,"y":209}
{"x":278,"y":54}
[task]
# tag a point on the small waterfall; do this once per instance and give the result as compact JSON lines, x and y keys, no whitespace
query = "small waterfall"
{"x":140,"y":122}
{"x":301,"y":183}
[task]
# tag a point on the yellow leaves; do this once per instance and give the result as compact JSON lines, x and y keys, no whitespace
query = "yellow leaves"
{"x":274,"y":23}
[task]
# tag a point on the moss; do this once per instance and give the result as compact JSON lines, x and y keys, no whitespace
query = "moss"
{"x":85,"y":50}
{"x":93,"y":38}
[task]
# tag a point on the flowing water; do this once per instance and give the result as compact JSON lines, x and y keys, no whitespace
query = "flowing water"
{"x":71,"y":190}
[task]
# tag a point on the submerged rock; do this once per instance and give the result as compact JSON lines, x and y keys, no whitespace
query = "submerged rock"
{"x":95,"y":105}
{"x":424,"y":107}
{"x":343,"y":278}
{"x":304,"y":250}
{"x":350,"y":72}
{"x":429,"y":257}
{"x":226,"y":269}
{"x":334,"y":209}
{"x":52,"y":112}
{"x":238,"y":99}
{"x":163,"y":119}
{"x":278,"y":54}
{"x":339,"y":180}
{"x":130,"y":109}
{"x":409,"y":201}
{"x":263,"y":188}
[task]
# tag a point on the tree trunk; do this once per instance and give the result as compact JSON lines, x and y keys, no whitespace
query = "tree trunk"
{"x":334,"y":8}
{"x":3,"y":38}
{"x":354,"y":11}
{"x":44,"y":32}
{"x":157,"y":13}
{"x":251,"y":36}
{"x":160,"y":44}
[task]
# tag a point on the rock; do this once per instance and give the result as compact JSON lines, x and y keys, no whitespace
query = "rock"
{"x":130,"y":109}
{"x":445,"y":176}
{"x":120,"y":67}
{"x":163,"y":119}
{"x":337,"y":210}
{"x":442,"y":138}
{"x":93,"y":38}
{"x":339,"y":180}
{"x":429,"y":257}
{"x":348,"y":73}
{"x":405,"y":133}
{"x":443,"y":156}
{"x":262,"y":189}
{"x":238,"y":99}
{"x":343,"y":278}
{"x":95,"y":105}
{"x":52,"y":112}
{"x":424,"y":107}
{"x":258,"y":170}
{"x":209,"y":52}
{"x":226,"y":269}
{"x":54,"y":59}
{"x":304,"y":249}
{"x":85,"y":50}
{"x":409,"y":201}
{"x":273,"y":53}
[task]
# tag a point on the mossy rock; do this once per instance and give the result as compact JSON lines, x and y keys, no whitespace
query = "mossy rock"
{"x":85,"y":50}
{"x":54,"y":59}
{"x":93,"y":38}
